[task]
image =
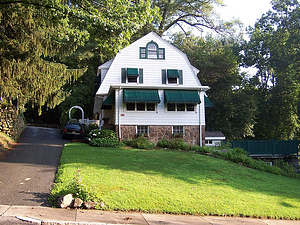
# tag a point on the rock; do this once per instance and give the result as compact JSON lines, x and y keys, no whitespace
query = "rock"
{"x":77,"y":203}
{"x":89,"y":205}
{"x":65,"y":201}
{"x":102,"y":205}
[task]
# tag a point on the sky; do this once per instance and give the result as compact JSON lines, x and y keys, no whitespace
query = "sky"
{"x":248,"y":11}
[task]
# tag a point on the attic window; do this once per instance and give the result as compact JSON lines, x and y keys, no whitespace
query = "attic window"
{"x":152,"y":51}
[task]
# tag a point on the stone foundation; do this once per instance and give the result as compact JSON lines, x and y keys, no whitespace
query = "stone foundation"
{"x":156,"y":133}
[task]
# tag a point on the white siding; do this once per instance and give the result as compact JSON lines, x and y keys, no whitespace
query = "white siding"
{"x":129,"y":57}
{"x":159,"y":117}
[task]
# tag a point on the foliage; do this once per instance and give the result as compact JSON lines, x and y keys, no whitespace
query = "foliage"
{"x":164,"y":143}
{"x":178,"y":182}
{"x":178,"y":144}
{"x":186,"y":15}
{"x":36,"y":36}
{"x":218,"y":60}
{"x":103,"y":142}
{"x":74,"y":187}
{"x":273,"y":51}
{"x":93,"y":126}
{"x":103,"y":138}
{"x":139,"y":143}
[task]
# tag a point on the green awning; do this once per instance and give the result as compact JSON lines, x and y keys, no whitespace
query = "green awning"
{"x":173,"y":73}
{"x":110,"y":100}
{"x":132,"y":72}
{"x":182,"y":96}
{"x":138,"y":95}
{"x":207,"y":102}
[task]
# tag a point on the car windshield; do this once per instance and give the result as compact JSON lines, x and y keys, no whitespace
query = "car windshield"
{"x":73,"y":126}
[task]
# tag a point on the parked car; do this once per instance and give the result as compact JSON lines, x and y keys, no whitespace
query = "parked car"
{"x":73,"y":130}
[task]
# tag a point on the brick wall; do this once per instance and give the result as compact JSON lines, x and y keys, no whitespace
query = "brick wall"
{"x":11,"y":122}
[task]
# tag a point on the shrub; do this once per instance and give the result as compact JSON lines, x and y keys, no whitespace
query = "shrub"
{"x":203,"y":149}
{"x":103,"y":142}
{"x":93,"y":126}
{"x":164,"y":143}
{"x":178,"y":144}
{"x":140,"y":143}
{"x":103,"y":138}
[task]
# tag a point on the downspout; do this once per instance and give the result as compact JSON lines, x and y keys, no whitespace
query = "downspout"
{"x":200,"y":127}
{"x":119,"y":117}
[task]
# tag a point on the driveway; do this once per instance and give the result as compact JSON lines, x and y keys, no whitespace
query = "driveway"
{"x":28,"y":172}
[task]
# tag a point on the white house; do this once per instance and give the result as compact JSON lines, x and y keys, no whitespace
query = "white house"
{"x":150,"y":88}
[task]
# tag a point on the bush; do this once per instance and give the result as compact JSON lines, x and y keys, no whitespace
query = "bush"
{"x":178,"y":144}
{"x":103,"y":138}
{"x":103,"y":142}
{"x":203,"y":149}
{"x":93,"y":126}
{"x":164,"y":143}
{"x":140,"y":143}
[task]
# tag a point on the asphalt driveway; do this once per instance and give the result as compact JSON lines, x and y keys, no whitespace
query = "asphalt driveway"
{"x":28,"y":172}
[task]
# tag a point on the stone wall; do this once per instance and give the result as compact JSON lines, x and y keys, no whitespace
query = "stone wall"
{"x":11,"y":122}
{"x":156,"y":133}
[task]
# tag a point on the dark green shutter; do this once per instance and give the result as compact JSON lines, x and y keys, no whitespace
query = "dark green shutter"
{"x":140,"y":76}
{"x":123,"y":75}
{"x":180,"y":77}
{"x":164,"y":76}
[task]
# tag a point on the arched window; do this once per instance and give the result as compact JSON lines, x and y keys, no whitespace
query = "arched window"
{"x":152,"y":51}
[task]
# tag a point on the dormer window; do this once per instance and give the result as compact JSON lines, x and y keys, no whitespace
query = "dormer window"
{"x":132,"y":75}
{"x":152,"y":51}
{"x":172,"y":76}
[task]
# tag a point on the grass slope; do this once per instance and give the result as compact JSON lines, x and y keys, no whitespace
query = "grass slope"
{"x":178,"y":182}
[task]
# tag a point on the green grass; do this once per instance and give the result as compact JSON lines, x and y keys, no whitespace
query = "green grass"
{"x":178,"y":182}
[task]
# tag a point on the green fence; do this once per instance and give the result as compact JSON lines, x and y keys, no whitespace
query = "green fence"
{"x":272,"y":147}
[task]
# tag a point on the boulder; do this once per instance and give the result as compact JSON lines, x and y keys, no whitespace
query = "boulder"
{"x":77,"y":203}
{"x":65,"y":201}
{"x":89,"y":205}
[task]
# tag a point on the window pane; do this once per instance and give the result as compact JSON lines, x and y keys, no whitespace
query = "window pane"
{"x":180,"y":107}
{"x":132,"y":79}
{"x":161,"y":54}
{"x":172,"y":80}
{"x":177,"y":129}
{"x":152,"y":51}
{"x":131,"y":106}
{"x":140,"y":106}
{"x":190,"y":107}
{"x":150,"y":106}
{"x":171,"y":107}
{"x":142,"y":129}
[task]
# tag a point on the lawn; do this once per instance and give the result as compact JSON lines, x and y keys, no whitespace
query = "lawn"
{"x":164,"y":181}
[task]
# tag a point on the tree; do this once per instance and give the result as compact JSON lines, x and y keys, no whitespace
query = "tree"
{"x":234,"y":108}
{"x":186,"y":14}
{"x":274,"y":50}
{"x":36,"y":35}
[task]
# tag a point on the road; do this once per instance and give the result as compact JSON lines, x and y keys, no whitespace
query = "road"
{"x":28,"y":172}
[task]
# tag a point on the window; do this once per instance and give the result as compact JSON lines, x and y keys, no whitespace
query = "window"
{"x":208,"y":142}
{"x":180,"y":107}
{"x":130,"y":106}
{"x":177,"y":129}
{"x":171,"y":107}
{"x":140,"y":106}
{"x":150,"y":106}
{"x":131,"y":75}
{"x":152,"y":51}
{"x":172,"y":76}
{"x":142,"y":129}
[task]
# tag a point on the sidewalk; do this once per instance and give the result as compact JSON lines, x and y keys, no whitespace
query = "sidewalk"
{"x":52,"y":216}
